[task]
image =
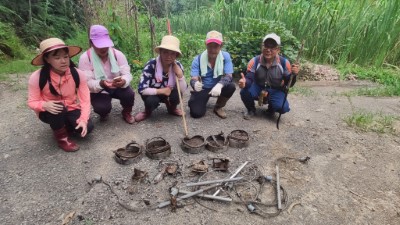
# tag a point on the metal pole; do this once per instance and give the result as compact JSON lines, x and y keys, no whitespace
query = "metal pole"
{"x":166,"y":203}
{"x":213,"y":181}
{"x":233,"y":175}
{"x":163,"y":204}
{"x":208,"y":196}
{"x":278,"y":187}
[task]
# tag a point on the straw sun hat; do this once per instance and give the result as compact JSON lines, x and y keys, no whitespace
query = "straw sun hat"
{"x":169,"y":42}
{"x":51,"y":44}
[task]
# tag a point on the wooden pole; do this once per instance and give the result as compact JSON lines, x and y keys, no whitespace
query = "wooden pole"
{"x":183,"y":111}
{"x":179,"y":90}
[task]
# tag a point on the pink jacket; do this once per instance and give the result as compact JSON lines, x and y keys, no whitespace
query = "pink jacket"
{"x":65,"y":85}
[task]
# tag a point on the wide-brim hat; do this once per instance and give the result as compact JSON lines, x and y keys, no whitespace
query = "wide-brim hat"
{"x":169,"y":42}
{"x":52,"y":44}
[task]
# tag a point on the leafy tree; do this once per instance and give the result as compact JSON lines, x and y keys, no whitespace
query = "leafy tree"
{"x":35,"y":20}
{"x":246,"y":44}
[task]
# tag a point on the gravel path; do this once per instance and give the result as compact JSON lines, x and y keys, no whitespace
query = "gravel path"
{"x":352,"y":178}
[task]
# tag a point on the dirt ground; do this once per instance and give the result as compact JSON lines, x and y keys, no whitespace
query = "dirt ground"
{"x":352,"y":177}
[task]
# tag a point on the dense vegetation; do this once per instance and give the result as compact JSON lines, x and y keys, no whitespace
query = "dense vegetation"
{"x":356,"y":36}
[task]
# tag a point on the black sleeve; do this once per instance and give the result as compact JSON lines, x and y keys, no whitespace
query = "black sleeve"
{"x":287,"y":78}
{"x":249,"y":79}
{"x":225,"y":80}
{"x":192,"y":82}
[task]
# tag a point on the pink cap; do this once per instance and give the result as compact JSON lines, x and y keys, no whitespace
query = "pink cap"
{"x":214,"y":36}
{"x":100,"y":37}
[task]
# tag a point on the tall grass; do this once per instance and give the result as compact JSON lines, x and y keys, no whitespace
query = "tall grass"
{"x":365,"y":32}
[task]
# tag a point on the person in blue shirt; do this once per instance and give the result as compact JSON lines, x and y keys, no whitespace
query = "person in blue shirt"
{"x":211,"y":75}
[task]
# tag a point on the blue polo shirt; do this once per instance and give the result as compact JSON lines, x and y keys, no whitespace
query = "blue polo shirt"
{"x":209,"y":81}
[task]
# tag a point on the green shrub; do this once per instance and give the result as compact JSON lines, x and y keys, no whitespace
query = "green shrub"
{"x":246,"y":44}
{"x":11,"y":46}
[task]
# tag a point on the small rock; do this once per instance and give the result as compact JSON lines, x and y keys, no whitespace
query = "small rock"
{"x":80,"y":217}
{"x":240,"y":209}
{"x":97,"y":178}
{"x":6,"y":156}
{"x":187,"y":209}
{"x":146,"y":201}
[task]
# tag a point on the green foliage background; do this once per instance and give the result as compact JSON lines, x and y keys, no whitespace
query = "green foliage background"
{"x":361,"y":37}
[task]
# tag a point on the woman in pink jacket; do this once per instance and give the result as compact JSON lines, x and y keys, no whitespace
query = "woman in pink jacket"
{"x":59,"y":94}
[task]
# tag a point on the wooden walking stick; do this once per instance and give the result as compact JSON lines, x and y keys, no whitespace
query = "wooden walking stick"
{"x":179,"y":90}
{"x":288,"y":85}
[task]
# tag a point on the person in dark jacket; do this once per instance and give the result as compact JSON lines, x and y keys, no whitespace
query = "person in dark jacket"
{"x":266,"y":78}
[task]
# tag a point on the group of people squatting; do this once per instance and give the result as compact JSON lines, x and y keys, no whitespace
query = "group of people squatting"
{"x":62,"y":94}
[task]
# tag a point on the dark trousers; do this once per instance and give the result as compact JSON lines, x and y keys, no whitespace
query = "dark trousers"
{"x":65,"y":118}
{"x":101,"y":101}
{"x":275,"y":98}
{"x":151,"y":102}
{"x":198,"y":100}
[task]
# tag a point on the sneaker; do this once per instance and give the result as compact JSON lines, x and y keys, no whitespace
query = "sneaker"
{"x":249,"y":114}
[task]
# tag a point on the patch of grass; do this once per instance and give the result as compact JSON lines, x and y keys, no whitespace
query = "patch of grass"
{"x":389,"y":78}
{"x":88,"y":222}
{"x":16,"y":67}
{"x":375,"y":122}
{"x":303,"y":91}
{"x":375,"y":92}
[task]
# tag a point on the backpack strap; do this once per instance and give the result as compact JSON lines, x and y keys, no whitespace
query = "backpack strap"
{"x":75,"y":76}
{"x":44,"y":77}
{"x":281,"y":59}
{"x":283,"y":62}
{"x":256,"y":62}
{"x":88,"y":53}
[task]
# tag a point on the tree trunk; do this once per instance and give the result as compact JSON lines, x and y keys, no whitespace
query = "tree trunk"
{"x":137,"y":44}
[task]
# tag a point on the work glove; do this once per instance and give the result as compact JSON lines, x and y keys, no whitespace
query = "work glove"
{"x":216,"y":91}
{"x":198,"y":86}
